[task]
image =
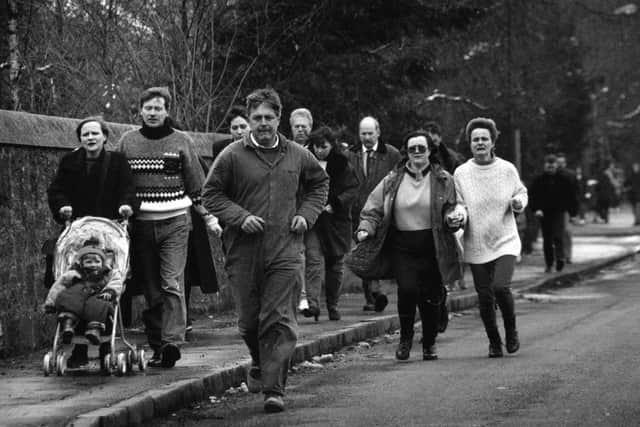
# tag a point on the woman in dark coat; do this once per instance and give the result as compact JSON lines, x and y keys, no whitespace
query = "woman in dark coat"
{"x":332,"y":232}
{"x":90,"y":181}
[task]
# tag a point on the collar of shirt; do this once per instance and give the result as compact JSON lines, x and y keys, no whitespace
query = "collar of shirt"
{"x":374,"y":148}
{"x":253,"y":140}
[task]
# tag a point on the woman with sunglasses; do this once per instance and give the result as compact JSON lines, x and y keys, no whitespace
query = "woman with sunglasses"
{"x":417,"y":195}
{"x":490,"y":192}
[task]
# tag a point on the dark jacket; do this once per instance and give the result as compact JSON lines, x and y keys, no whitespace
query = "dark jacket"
{"x":98,"y":193}
{"x":334,"y":229}
{"x":244,"y":182}
{"x":554,"y":194}
{"x":443,"y":199}
{"x":200,"y":269}
{"x":632,"y":185}
{"x":449,"y":159}
{"x":218,"y":146}
{"x":384,"y":159}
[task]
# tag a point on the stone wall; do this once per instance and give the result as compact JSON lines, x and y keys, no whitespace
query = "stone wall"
{"x":30,"y":149}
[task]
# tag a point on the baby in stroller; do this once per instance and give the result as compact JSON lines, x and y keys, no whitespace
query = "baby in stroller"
{"x":86,"y":292}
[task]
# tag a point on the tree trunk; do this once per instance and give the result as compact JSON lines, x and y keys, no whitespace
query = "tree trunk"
{"x":14,"y":54}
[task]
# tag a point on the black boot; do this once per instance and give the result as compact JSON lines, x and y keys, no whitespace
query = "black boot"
{"x":404,"y":348}
{"x":368,"y":296}
{"x":488,"y":315}
{"x":68,"y":323}
{"x":504,"y":299}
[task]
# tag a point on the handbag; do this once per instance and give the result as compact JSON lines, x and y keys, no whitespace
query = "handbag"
{"x":368,"y":259}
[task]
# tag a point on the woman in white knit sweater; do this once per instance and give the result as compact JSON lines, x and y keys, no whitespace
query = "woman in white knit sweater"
{"x":489,"y":194}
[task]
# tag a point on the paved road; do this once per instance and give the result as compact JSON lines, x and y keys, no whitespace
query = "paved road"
{"x":579,"y":365}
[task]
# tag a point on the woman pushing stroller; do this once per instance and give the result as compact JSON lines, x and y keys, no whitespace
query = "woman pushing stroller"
{"x":85,"y":292}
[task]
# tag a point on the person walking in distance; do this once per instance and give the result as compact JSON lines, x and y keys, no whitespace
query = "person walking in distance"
{"x":168,"y":181}
{"x":570,"y":175}
{"x":371,"y":160}
{"x":552,"y":199}
{"x":301,"y":122}
{"x":267,"y":191}
{"x":489,"y":193}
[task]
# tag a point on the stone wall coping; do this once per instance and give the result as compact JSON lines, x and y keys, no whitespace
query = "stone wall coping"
{"x":18,"y":128}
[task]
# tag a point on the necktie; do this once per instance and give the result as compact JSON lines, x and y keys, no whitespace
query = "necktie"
{"x":367,"y":161}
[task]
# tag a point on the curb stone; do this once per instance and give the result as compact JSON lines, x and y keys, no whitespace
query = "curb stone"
{"x":156,"y":403}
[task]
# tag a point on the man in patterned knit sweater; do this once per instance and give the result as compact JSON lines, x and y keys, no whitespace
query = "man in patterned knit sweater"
{"x":168,"y":180}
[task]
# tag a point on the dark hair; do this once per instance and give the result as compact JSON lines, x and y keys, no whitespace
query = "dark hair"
{"x":433,"y":127}
{"x":97,"y":119}
{"x":156,"y":92}
{"x":322,"y":134}
{"x":264,"y":96}
{"x":560,"y":154}
{"x":236,"y":111}
{"x":481,"y":123}
{"x":433,"y":148}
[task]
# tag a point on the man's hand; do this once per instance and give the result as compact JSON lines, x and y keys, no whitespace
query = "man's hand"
{"x":516,"y":204}
{"x":299,"y":224}
{"x":539,"y":214}
{"x":65,"y":212}
{"x":213,"y":224}
{"x":252,"y":224}
{"x":125,"y":211}
{"x":362,"y":235}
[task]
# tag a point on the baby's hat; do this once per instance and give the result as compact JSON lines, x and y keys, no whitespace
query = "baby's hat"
{"x":93,"y":250}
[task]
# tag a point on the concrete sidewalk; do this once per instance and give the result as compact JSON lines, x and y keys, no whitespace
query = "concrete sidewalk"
{"x":216,"y":359}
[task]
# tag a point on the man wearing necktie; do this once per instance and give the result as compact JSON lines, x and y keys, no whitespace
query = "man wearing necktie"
{"x":372,"y":161}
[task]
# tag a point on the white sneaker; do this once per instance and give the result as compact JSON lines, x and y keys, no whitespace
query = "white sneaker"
{"x":303,"y":305}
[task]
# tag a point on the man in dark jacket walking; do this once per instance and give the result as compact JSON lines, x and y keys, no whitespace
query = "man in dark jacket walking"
{"x":551,"y":196}
{"x":267,"y":191}
{"x":372,"y":160}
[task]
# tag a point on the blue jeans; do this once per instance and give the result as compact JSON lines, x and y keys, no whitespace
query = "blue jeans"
{"x":160,"y":250}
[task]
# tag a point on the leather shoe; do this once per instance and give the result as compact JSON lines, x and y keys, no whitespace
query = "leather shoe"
{"x":312,"y":311}
{"x":273,"y":403}
{"x":166,"y":357}
{"x":334,"y":314}
{"x":495,"y":350}
{"x":404,"y":349}
{"x":380,"y":303}
{"x":429,"y":352}
{"x":512,"y":341}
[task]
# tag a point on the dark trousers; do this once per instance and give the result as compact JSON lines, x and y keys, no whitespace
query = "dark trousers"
{"x":492,"y":281}
{"x":553,"y":227}
{"x":414,"y":263}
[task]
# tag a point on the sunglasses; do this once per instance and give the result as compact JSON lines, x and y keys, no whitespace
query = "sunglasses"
{"x":417,"y":149}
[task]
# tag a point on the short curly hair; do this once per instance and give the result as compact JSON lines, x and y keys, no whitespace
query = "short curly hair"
{"x":481,"y":123}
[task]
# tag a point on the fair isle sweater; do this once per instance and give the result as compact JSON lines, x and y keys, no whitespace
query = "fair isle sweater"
{"x":486,"y":192}
{"x":166,"y":171}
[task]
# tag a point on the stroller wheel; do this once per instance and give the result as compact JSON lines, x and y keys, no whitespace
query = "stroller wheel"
{"x":121,"y":364}
{"x":47,"y":364}
{"x":61,"y":364}
{"x":130,"y":360}
{"x":142,"y":361}
{"x":106,"y":364}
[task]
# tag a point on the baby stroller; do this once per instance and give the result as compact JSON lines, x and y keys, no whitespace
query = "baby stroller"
{"x":114,"y":239}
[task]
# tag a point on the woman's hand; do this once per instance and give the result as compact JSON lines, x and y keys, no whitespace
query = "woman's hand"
{"x":362,"y":235}
{"x":516,"y":204}
{"x":125,"y":211}
{"x":65,"y":212}
{"x":455,"y":218}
